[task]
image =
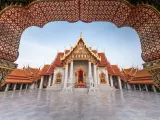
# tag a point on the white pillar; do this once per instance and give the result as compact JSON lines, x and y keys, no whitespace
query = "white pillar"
{"x":54,"y":78}
{"x":128,"y":86}
{"x":154,"y":88}
{"x":7,"y":86}
{"x":26,"y":86}
{"x":146,"y":87}
{"x":15,"y":85}
{"x":71,"y":72}
{"x":66,"y":76}
{"x":95,"y":76}
{"x":21,"y":86}
{"x":111,"y":80}
{"x":107,"y":79}
{"x":49,"y":82}
{"x":119,"y":82}
{"x":41,"y":83}
{"x":90,"y":78}
{"x":134,"y":86}
{"x":98,"y":73}
{"x":139,"y":87}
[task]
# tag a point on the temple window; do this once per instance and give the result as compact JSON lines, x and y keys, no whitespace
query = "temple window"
{"x":102,"y":78}
{"x":58,"y":78}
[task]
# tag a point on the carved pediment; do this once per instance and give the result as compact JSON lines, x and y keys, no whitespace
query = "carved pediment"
{"x":81,"y":52}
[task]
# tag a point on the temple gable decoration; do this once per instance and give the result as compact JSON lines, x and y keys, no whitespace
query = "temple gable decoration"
{"x":81,"y":52}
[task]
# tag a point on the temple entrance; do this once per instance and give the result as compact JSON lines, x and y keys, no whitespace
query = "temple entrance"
{"x":80,"y":80}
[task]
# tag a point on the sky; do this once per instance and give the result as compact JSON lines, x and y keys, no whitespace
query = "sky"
{"x":39,"y":46}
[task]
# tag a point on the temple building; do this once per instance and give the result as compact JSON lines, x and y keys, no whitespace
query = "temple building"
{"x":26,"y":78}
{"x":138,"y":79}
{"x":80,"y":69}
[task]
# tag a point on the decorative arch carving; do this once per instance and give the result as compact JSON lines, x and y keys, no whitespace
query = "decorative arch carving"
{"x":80,"y":77}
{"x":102,"y":77}
{"x":143,"y":18}
{"x":59,"y":78}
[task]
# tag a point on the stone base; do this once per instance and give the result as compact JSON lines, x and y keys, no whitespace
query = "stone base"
{"x":80,"y":90}
{"x":55,"y":87}
{"x":67,"y":90}
{"x":105,"y":87}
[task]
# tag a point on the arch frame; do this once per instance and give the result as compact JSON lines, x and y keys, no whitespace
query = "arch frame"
{"x":145,"y":19}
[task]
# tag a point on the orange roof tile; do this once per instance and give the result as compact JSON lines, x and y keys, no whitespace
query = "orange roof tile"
{"x":56,"y":63}
{"x":26,"y":75}
{"x":45,"y":70}
{"x":141,"y":82}
{"x":142,"y":73}
{"x":116,"y":70}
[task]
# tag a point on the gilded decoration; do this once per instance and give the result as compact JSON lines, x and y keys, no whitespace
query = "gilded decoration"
{"x":6,"y":67}
{"x":102,"y":77}
{"x":80,"y":77}
{"x":80,"y":52}
{"x":58,"y":78}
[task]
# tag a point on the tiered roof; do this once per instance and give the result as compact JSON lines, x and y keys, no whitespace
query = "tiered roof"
{"x":26,"y":75}
{"x":135,"y":76}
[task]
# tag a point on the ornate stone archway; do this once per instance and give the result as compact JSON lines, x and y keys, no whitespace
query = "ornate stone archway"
{"x":15,"y":17}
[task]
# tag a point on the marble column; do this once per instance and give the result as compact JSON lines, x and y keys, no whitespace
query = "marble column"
{"x":134,"y":86}
{"x":139,"y":87}
{"x":26,"y":86}
{"x":54,"y":79}
{"x":41,"y":83}
{"x":7,"y":87}
{"x":90,"y":74}
{"x":21,"y":86}
{"x":71,"y":72}
{"x":119,"y":82}
{"x":146,"y":87}
{"x":111,"y":80}
{"x":154,"y":88}
{"x":66,"y":76}
{"x":98,"y":76}
{"x":128,"y":86}
{"x":15,"y":85}
{"x":49,"y":82}
{"x":95,"y":76}
{"x":107,"y":78}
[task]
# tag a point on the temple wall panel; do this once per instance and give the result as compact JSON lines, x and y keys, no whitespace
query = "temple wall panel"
{"x":99,"y":71}
{"x":61,"y":70}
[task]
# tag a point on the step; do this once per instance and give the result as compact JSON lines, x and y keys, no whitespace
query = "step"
{"x":105,"y":87}
{"x":55,"y":87}
{"x":81,"y":90}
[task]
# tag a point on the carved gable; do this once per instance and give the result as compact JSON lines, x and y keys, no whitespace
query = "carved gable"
{"x":81,"y":52}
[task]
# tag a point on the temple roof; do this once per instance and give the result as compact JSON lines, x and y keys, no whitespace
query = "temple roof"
{"x":44,"y":70}
{"x":80,"y":40}
{"x":135,"y":76}
{"x":25,"y":75}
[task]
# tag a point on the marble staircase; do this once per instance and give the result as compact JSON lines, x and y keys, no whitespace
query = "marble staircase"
{"x":80,"y":90}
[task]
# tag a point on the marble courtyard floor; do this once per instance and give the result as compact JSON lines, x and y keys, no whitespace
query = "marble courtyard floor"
{"x":52,"y":105}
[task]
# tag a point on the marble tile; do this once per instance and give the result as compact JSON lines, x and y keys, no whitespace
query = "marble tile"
{"x":54,"y":105}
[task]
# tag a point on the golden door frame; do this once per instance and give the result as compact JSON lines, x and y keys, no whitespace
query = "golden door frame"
{"x":84,"y":76}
